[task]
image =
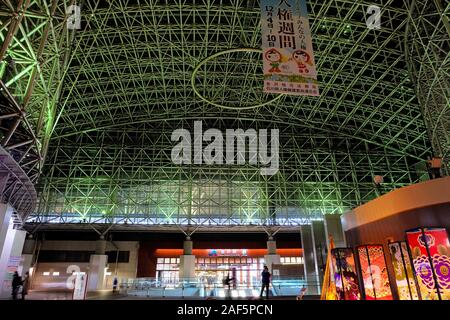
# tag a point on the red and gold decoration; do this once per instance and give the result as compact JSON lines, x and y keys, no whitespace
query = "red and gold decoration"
{"x":328,"y":286}
{"x":345,"y":276}
{"x":404,"y":277}
{"x":430,"y":252}
{"x":374,"y":272}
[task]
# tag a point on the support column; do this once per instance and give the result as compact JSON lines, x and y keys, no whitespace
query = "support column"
{"x":27,"y":256}
{"x":5,"y":218}
{"x":187,"y":261}
{"x":333,"y":227}
{"x":310,"y":260}
{"x":5,"y":224}
{"x":11,"y":253}
{"x":271,"y":258}
{"x":320,"y":240}
{"x":97,"y":267}
{"x":25,"y":264}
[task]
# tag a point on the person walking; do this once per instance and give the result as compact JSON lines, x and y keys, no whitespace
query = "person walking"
{"x":227,"y":282}
{"x":16,"y":283}
{"x":265,"y":280}
{"x":25,"y":285}
{"x":115,"y":281}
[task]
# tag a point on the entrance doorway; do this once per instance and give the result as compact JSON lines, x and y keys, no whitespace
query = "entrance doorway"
{"x":244,"y":270}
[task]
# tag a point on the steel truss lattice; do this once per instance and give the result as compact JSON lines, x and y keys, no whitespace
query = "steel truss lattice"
{"x":126,"y":86}
{"x":428,"y":48}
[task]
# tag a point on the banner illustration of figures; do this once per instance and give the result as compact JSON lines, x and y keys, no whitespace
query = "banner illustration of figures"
{"x":288,"y":58}
{"x":374,"y":272}
{"x":345,"y":276}
{"x":430,"y":252}
{"x":406,"y":285}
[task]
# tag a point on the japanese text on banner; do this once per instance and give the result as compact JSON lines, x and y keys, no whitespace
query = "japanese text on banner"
{"x":288,"y":58}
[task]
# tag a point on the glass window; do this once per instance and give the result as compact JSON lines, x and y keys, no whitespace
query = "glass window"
{"x":173,"y":260}
{"x":160,"y":260}
{"x":219,"y":260}
{"x":167,"y":260}
{"x":201,"y":260}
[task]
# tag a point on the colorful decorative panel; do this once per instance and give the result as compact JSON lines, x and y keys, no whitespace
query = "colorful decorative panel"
{"x":404,"y":277}
{"x":430,"y":252}
{"x":374,"y":272}
{"x":345,"y":276}
{"x":288,"y":58}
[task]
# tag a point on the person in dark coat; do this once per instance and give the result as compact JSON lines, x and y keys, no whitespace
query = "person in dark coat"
{"x":16,"y":283}
{"x":265,"y":280}
{"x":227,"y":282}
{"x":115,"y":281}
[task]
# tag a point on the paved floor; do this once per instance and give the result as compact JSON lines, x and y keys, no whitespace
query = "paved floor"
{"x":108,"y":295}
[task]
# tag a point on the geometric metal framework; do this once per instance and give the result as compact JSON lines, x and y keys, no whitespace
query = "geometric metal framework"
{"x":428,"y":54}
{"x":125,"y":86}
{"x":31,"y":61}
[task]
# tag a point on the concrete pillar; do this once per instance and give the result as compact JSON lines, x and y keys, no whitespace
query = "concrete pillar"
{"x":25,"y":264}
{"x":100,"y":247}
{"x":97,"y":267}
{"x":310,"y":260}
{"x":320,"y":240}
{"x":333,"y":227}
{"x":187,"y":261}
{"x":187,"y":247}
{"x":271,"y":258}
{"x":10,"y":257}
{"x":96,"y":275}
{"x":5,"y":218}
{"x":27,"y":256}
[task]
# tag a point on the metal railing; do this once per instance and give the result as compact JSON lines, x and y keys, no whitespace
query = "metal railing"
{"x":194,"y":288}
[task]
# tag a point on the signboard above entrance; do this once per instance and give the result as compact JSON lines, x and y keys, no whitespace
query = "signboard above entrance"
{"x":227,"y":252}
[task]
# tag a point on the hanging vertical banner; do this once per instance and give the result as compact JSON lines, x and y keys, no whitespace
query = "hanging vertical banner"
{"x":430,"y":252}
{"x":404,"y":278}
{"x":288,"y":58}
{"x":345,"y":276}
{"x":374,"y":272}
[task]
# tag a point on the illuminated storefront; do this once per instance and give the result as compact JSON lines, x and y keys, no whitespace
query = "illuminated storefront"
{"x":213,"y":265}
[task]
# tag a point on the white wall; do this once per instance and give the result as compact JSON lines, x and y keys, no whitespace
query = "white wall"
{"x":50,"y":282}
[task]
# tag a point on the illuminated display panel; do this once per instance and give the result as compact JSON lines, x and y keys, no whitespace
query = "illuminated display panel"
{"x":430,"y":252}
{"x":374,"y":272}
{"x":345,"y":276}
{"x":404,"y":277}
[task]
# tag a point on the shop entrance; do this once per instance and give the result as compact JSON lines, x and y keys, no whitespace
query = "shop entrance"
{"x":245,"y":271}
